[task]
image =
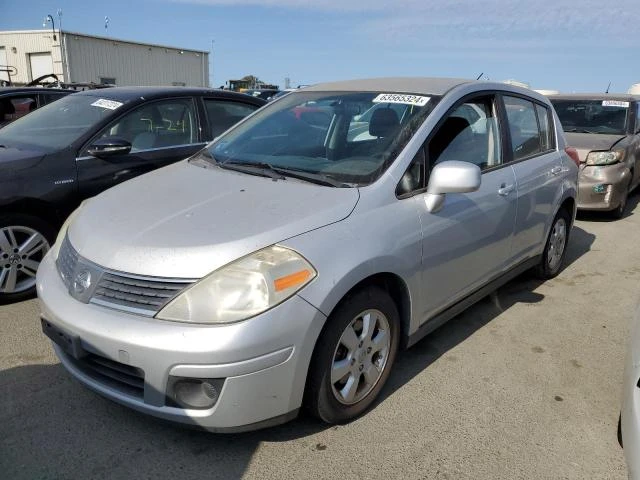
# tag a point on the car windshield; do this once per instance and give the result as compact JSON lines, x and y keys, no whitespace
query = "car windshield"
{"x":325,"y":135}
{"x":58,"y":124}
{"x":592,"y":116}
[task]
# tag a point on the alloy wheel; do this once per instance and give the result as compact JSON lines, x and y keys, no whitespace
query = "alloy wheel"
{"x":557,"y":243}
{"x":21,"y":251}
{"x":360,"y":357}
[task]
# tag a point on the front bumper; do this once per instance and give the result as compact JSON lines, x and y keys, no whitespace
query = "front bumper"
{"x":602,"y":187}
{"x":630,"y":411}
{"x":263,"y":361}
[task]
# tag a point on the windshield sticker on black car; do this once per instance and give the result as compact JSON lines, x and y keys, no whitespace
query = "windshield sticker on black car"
{"x":104,"y":103}
{"x":401,"y":98}
{"x":615,"y":103}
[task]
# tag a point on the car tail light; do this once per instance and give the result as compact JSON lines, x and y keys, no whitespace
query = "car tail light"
{"x":573,"y":153}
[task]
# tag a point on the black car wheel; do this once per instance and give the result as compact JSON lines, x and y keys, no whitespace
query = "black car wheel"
{"x":354,"y":356}
{"x":24,"y":241}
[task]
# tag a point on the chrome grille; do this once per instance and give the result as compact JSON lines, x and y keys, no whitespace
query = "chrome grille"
{"x":67,"y":261}
{"x":120,"y":291}
{"x":143,"y":295}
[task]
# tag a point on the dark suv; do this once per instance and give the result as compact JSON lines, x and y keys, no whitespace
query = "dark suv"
{"x":85,"y":143}
{"x":16,"y":102}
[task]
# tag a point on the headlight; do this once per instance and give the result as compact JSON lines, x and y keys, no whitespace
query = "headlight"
{"x":63,"y":231}
{"x":242,"y":289}
{"x":605,"y":158}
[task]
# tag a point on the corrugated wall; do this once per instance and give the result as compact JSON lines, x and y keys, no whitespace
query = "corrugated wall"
{"x":133,"y":64}
{"x":18,"y":46}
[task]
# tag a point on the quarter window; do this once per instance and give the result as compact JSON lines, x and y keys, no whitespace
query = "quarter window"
{"x":156,"y":125}
{"x":545,"y":128}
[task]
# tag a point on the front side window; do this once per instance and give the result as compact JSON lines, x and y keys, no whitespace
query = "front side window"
{"x":592,"y":116}
{"x":468,"y":134}
{"x":325,"y":134}
{"x":523,"y":126}
{"x":160,"y":124}
{"x":223,"y":114}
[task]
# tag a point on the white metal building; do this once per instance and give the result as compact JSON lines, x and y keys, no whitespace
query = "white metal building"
{"x":77,"y":57}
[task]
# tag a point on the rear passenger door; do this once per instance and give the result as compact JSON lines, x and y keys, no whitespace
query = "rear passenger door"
{"x":467,"y":242}
{"x":160,"y":132}
{"x":223,"y":114}
{"x":538,"y":170}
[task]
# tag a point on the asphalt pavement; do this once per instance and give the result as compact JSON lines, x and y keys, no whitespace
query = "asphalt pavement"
{"x":526,"y":384}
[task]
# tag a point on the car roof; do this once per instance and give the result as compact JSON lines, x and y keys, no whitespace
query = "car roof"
{"x":422,"y":85}
{"x":126,"y":94}
{"x":595,"y":96}
{"x":5,"y":90}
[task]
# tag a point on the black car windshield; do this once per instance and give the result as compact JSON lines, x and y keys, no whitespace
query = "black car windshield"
{"x":592,"y":116}
{"x":325,"y":134}
{"x":58,"y":124}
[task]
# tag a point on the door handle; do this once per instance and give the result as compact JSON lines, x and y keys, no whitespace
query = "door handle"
{"x":556,"y":170}
{"x":505,"y":189}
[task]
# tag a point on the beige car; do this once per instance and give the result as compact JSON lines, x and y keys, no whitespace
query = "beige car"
{"x":605,"y":130}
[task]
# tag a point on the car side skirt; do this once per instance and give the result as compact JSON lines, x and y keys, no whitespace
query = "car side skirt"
{"x":446,"y":315}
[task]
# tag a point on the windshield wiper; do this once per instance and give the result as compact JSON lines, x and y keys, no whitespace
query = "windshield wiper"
{"x":578,"y":130}
{"x":262,"y":169}
{"x":317,"y":178}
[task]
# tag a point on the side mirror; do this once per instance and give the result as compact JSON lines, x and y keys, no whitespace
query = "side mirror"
{"x":451,"y":177}
{"x":109,"y":147}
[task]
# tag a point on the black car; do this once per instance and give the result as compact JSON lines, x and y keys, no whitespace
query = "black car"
{"x":16,"y":102}
{"x":85,"y":143}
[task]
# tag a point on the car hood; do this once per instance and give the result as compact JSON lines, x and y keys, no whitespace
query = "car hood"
{"x":184,"y":221}
{"x":587,"y":142}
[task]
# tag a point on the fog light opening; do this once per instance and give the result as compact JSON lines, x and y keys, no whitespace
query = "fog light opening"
{"x":193,"y":393}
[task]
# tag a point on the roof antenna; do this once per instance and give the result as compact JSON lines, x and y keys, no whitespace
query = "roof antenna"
{"x":608,"y":87}
{"x":479,"y":76}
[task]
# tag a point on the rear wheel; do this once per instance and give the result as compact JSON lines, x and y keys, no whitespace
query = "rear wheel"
{"x":353,"y":356}
{"x":556,"y":246}
{"x":24,"y":241}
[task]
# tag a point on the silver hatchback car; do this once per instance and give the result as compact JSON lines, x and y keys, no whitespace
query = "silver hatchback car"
{"x":286,"y":263}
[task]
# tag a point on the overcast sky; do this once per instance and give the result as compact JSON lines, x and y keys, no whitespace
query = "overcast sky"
{"x":568,"y":45}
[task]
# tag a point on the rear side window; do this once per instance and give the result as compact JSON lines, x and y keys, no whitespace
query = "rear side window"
{"x":223,"y":114}
{"x":526,"y":136}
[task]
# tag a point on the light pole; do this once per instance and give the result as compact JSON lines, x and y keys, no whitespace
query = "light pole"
{"x":48,"y":19}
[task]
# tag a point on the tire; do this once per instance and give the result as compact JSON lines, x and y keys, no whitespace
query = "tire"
{"x":24,"y":241}
{"x":555,"y":248}
{"x":365,"y":364}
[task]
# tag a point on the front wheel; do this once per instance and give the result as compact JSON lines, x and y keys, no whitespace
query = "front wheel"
{"x":24,"y":241}
{"x":556,"y":246}
{"x":353,"y":357}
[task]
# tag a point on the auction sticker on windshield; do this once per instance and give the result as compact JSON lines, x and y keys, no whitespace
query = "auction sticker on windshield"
{"x":401,"y":98}
{"x":615,"y":103}
{"x":104,"y":103}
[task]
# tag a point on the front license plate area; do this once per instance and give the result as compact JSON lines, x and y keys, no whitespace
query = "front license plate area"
{"x":69,"y":343}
